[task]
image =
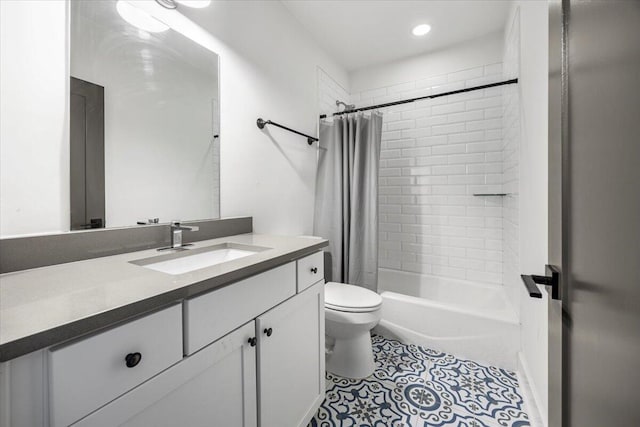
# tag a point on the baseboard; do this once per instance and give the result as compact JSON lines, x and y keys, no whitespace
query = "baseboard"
{"x":530,"y":394}
{"x":313,"y":410}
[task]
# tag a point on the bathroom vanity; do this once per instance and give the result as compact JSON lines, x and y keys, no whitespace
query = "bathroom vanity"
{"x":100,"y":328}
{"x":237,"y":342}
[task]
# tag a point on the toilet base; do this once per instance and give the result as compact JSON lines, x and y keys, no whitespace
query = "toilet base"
{"x":352,"y":357}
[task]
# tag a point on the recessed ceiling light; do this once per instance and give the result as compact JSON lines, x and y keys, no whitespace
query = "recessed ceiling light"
{"x":139,"y":18}
{"x":421,"y":30}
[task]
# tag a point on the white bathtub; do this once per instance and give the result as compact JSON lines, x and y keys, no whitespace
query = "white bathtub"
{"x":467,"y":319}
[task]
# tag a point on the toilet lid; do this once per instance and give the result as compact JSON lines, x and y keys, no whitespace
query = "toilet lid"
{"x":339,"y":296}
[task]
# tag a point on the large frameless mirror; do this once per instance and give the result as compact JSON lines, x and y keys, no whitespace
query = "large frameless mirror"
{"x":144,"y":120}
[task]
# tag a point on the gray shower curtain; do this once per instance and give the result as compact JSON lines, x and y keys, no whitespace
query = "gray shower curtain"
{"x":346,"y":204}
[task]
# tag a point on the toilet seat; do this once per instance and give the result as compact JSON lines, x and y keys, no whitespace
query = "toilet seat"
{"x":350,"y":298}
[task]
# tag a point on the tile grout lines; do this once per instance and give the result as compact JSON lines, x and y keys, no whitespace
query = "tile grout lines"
{"x":417,"y":387}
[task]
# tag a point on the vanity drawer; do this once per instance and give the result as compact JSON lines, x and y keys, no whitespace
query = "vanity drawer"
{"x":86,"y":374}
{"x":215,"y":314}
{"x":310,"y":270}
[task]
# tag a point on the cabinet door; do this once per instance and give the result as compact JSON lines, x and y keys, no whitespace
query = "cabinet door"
{"x":23,"y":391}
{"x":88,"y":373}
{"x":208,"y":317}
{"x":310,"y":269}
{"x":214,"y":387}
{"x":291,"y":360}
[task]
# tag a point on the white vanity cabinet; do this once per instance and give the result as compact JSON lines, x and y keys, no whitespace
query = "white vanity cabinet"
{"x":291,"y":359}
{"x":245,"y":355}
{"x":210,"y":316}
{"x":85,"y":374}
{"x":310,"y":270}
{"x":214,"y":387}
{"x":278,"y":381}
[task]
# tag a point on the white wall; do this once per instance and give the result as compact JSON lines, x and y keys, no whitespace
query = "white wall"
{"x":480,"y":51}
{"x":329,"y":91}
{"x":34,"y":142}
{"x":511,"y":164}
{"x":435,"y":155}
{"x":533,"y":181}
{"x":268,"y":69}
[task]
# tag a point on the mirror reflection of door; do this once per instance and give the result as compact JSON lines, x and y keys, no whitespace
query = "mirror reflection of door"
{"x":87,"y":155}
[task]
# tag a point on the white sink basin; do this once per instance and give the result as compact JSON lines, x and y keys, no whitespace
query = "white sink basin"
{"x":195,"y":259}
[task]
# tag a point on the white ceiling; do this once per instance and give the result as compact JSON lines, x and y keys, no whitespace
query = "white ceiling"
{"x":359,"y":33}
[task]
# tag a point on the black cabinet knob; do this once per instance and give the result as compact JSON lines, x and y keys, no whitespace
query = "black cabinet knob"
{"x":268,"y":331}
{"x":132,"y":359}
{"x":314,"y":270}
{"x":253,"y":341}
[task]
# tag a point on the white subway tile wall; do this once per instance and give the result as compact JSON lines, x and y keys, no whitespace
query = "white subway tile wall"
{"x":328,"y":92}
{"x":435,"y":155}
{"x":511,"y":155}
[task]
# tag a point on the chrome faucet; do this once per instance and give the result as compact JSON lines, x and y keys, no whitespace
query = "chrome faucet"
{"x":176,"y":233}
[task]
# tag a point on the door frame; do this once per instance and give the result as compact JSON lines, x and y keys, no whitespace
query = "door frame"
{"x":86,"y":159}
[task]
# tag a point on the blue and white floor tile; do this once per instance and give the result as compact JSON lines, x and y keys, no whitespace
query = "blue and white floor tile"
{"x":417,"y":387}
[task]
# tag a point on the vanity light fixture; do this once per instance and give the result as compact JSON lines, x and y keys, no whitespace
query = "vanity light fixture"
{"x":167,"y":4}
{"x":173,"y":4}
{"x":139,"y":18}
{"x":421,"y":30}
{"x":143,"y":20}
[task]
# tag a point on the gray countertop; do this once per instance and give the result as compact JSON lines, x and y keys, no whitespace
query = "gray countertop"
{"x":45,"y":306}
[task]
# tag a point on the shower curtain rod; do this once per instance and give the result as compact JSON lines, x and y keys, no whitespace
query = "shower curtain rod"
{"x":437,"y":95}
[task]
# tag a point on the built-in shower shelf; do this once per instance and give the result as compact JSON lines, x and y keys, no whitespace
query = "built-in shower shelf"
{"x":490,"y":194}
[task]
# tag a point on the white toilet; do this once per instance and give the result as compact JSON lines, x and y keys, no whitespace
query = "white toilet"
{"x":350,"y":314}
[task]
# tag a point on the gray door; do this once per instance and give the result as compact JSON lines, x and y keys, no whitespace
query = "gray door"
{"x":557,"y":129}
{"x":595,"y":212}
{"x":86,"y":155}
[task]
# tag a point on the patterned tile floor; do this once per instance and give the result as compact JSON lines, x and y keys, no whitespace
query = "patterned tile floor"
{"x":416,"y":387}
